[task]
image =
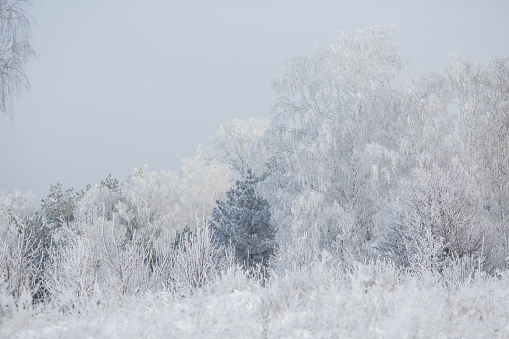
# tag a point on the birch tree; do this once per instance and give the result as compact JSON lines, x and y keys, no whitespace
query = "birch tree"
{"x":480,"y":98}
{"x":335,"y":110}
{"x":15,"y":51}
{"x":237,"y":143}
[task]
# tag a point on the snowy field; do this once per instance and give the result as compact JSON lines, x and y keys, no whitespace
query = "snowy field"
{"x":311,"y":303}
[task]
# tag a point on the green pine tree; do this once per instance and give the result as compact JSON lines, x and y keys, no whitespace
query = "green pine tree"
{"x":244,"y":220}
{"x":58,"y":206}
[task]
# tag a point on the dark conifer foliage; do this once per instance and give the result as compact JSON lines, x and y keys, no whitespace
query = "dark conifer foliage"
{"x":244,"y":221}
{"x":58,"y":206}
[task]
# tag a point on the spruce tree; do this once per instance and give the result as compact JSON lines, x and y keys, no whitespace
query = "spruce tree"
{"x":244,"y":221}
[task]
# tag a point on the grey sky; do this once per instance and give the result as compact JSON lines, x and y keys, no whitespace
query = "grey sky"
{"x":122,"y":83}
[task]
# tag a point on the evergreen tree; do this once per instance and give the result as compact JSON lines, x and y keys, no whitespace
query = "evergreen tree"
{"x":59,"y":205}
{"x":81,"y":194}
{"x":244,"y":221}
{"x":111,"y":183}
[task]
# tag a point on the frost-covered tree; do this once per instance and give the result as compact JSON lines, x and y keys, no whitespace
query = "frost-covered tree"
{"x":150,"y":198}
{"x":244,"y":221}
{"x":15,"y":51}
{"x":172,"y":200}
{"x":479,"y":113}
{"x":23,"y":244}
{"x":111,"y":183}
{"x":99,"y":200}
{"x":334,"y":132}
{"x":426,"y":136}
{"x":461,"y":115}
{"x":202,"y":181}
{"x":438,"y":217}
{"x":237,"y":143}
{"x":58,"y":206}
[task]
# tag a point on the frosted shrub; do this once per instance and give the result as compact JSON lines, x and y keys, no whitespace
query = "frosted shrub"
{"x":295,"y":253}
{"x":21,"y":256}
{"x":74,"y":274}
{"x":96,"y":261}
{"x":437,"y":218}
{"x":196,"y":260}
{"x":130,"y":263}
{"x":373,"y":274}
{"x":17,"y":311}
{"x":290,"y":289}
{"x":23,"y":244}
{"x":464,"y":270}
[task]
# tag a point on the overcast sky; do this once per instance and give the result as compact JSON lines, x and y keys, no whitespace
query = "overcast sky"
{"x":119,"y":84}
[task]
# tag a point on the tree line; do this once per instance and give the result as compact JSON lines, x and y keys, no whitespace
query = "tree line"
{"x":357,"y":163}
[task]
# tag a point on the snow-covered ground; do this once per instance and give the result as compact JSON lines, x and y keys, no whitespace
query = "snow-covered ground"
{"x":368,"y":302}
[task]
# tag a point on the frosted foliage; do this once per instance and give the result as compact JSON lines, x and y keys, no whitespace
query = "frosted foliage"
{"x":237,"y":143}
{"x":429,"y":135}
{"x":97,"y":261}
{"x":72,"y":277}
{"x":22,"y":206}
{"x":438,"y":217}
{"x":21,"y":251}
{"x":21,"y":266}
{"x":374,"y":302}
{"x":334,"y":108}
{"x":196,"y":261}
{"x":96,"y":199}
{"x":460,"y":118}
{"x":167,"y":201}
{"x":16,"y":51}
{"x":150,"y":198}
{"x":58,"y":207}
{"x":202,"y":182}
{"x":383,"y":212}
{"x":481,"y":99}
{"x":15,"y":209}
{"x":244,"y":221}
{"x":330,"y":82}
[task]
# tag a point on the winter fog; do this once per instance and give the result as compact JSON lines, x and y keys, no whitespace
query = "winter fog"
{"x":230,"y":170}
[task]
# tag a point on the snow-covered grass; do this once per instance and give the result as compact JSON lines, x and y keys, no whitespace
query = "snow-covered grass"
{"x":317,"y":301}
